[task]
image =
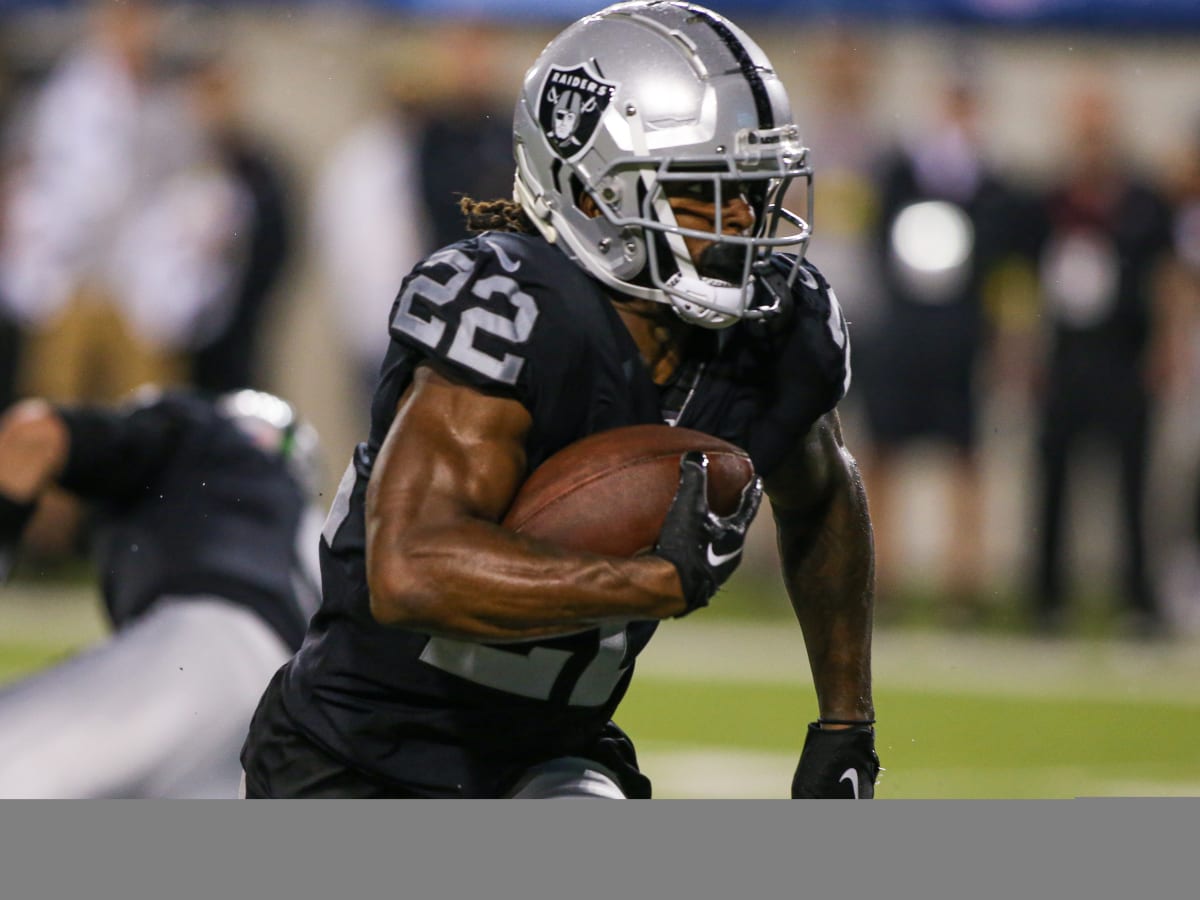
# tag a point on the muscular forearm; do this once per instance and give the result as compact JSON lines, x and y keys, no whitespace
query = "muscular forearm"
{"x":828,"y":568}
{"x":438,"y":562}
{"x":474,"y":580}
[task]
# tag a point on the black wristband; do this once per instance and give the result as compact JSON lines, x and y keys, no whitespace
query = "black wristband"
{"x":13,"y":517}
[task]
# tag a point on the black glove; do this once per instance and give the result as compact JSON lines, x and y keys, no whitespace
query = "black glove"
{"x":837,"y":763}
{"x":704,"y":547}
{"x":771,"y":277}
{"x":13,"y":517}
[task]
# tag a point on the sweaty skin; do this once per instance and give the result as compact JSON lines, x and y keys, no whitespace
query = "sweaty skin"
{"x":826,"y":545}
{"x":438,"y":562}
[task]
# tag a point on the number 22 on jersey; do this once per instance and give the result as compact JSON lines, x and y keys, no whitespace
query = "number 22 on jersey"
{"x":440,"y":296}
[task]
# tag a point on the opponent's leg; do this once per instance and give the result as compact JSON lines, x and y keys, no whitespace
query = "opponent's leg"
{"x":160,"y":709}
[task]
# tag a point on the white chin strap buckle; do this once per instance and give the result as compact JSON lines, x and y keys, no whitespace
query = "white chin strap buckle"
{"x":707,"y":303}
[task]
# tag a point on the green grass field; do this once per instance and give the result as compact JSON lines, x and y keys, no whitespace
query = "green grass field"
{"x":720,"y":702}
{"x":960,"y":716}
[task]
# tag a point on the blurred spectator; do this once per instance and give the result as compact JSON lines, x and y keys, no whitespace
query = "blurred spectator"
{"x":372,"y":177}
{"x":846,"y":147}
{"x":120,"y":232}
{"x":226,"y":340}
{"x":404,"y":169}
{"x":10,"y":334}
{"x":1185,"y":198}
{"x":1187,"y":308}
{"x":946,"y":220}
{"x":466,"y":132}
{"x":89,"y":262}
{"x":1179,"y":372}
{"x":1101,"y":236}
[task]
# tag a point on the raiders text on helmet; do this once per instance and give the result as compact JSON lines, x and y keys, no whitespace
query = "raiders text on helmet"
{"x":636,"y":100}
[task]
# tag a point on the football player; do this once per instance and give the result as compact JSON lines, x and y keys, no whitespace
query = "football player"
{"x":646,"y":273}
{"x":205,"y":538}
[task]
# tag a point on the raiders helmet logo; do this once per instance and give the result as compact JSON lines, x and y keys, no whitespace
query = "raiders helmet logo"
{"x":570,"y":106}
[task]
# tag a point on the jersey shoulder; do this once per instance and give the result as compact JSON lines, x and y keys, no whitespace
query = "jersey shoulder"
{"x":800,"y":359}
{"x":814,"y":327}
{"x":496,"y":308}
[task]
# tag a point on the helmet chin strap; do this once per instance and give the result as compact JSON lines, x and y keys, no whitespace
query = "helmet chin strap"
{"x":699,"y":302}
{"x":707,"y":302}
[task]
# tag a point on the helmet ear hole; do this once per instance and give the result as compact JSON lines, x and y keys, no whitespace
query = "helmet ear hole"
{"x":582,"y":198}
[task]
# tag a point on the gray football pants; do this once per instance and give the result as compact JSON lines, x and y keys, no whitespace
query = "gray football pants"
{"x":160,"y":709}
{"x":568,"y":776}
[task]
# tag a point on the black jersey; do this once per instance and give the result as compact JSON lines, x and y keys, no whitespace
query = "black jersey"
{"x":184,"y":503}
{"x":510,"y":313}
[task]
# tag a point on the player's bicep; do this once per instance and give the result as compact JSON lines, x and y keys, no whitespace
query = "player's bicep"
{"x":452,"y":452}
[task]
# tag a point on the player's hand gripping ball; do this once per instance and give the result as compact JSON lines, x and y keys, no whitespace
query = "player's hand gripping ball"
{"x":610,"y":493}
{"x":704,"y":547}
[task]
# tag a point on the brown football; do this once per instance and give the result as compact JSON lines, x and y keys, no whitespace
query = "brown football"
{"x":609,"y":492}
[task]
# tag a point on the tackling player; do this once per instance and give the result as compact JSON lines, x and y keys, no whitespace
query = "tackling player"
{"x":643,"y":275}
{"x":205,"y":542}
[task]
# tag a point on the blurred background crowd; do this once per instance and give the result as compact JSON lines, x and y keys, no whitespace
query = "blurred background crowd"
{"x":1009,"y":210}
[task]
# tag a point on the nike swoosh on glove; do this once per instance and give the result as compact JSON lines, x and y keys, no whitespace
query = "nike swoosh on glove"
{"x":704,"y":548}
{"x":837,"y":763}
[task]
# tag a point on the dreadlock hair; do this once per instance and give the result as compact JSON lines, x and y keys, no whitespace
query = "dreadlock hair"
{"x":495,"y":215}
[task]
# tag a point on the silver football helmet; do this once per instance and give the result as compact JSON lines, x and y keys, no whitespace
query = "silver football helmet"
{"x":635,"y":104}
